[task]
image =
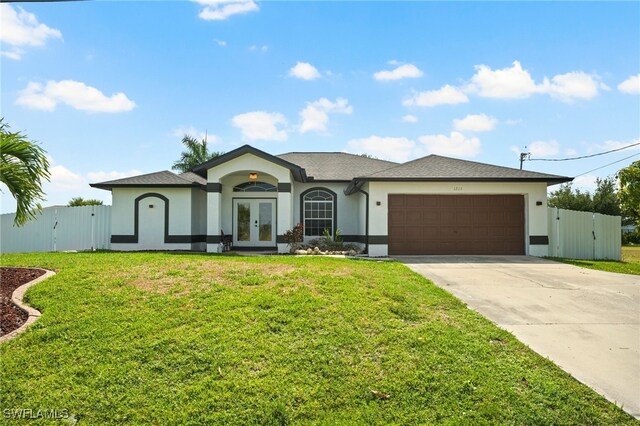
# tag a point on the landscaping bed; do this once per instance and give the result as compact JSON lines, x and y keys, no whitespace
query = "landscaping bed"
{"x":142,"y":338}
{"x":11,"y":316}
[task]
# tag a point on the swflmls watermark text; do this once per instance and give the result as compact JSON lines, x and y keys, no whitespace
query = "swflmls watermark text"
{"x":33,"y":414}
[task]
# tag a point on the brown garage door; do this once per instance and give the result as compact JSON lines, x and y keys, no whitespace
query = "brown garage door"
{"x":456,"y":224}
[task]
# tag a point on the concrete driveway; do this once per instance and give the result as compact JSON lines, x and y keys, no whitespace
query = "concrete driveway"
{"x":587,"y":322}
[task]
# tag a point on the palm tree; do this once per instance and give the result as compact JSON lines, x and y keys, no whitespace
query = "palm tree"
{"x":197,"y":153}
{"x":23,"y":168}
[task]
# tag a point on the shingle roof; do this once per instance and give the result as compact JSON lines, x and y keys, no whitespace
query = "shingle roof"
{"x":163,"y":178}
{"x":193,"y":177}
{"x":435,"y":167}
{"x":338,"y":166}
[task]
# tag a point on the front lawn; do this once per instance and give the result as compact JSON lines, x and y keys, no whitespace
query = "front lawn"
{"x":153,"y":338}
{"x":630,"y":263}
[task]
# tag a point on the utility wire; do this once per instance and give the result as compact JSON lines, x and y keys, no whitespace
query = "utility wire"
{"x":584,"y":156}
{"x":606,"y":165}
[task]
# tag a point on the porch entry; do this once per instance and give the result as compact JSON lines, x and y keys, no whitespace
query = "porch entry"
{"x":254,"y":222}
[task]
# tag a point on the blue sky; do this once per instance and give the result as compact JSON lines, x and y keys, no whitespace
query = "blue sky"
{"x":109,"y":88}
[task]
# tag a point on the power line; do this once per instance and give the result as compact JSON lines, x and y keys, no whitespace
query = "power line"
{"x":606,"y":165}
{"x":584,"y":156}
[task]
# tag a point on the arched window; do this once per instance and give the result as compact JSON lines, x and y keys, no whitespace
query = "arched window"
{"x":254,"y":186}
{"x":318,"y":211}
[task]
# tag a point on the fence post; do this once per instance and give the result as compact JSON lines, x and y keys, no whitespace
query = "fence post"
{"x":593,"y":232}
{"x":93,"y":217}
{"x":558,"y":232}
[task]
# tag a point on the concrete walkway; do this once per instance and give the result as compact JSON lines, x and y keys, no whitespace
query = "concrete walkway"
{"x":586,"y":321}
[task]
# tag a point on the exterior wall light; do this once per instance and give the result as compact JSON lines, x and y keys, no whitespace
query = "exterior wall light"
{"x":253,"y":176}
{"x":538,"y":203}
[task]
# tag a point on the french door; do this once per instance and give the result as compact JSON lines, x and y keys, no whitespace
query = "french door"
{"x":254,"y":222}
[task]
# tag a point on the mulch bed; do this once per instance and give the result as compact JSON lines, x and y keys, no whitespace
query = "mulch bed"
{"x":11,"y":316}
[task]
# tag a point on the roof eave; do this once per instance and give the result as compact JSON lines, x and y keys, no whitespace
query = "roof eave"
{"x":109,"y":187}
{"x":549,"y":180}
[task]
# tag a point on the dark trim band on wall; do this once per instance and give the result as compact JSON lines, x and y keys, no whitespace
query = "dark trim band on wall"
{"x":378,"y":239}
{"x":354,"y":239}
{"x":124,"y":239}
{"x":214,"y":239}
{"x":538,"y":240}
{"x":284,"y":187}
{"x":214,"y":187}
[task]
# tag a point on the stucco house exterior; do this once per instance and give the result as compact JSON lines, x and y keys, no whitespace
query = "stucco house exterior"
{"x":432,"y":205}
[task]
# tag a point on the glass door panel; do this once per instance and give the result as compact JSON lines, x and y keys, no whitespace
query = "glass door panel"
{"x":243,"y":219}
{"x":265,"y":221}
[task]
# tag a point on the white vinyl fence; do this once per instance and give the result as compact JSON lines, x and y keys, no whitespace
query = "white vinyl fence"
{"x":58,"y":229}
{"x":584,"y":235}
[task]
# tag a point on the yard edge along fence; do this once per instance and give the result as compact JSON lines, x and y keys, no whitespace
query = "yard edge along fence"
{"x":584,"y":235}
{"x":58,"y":229}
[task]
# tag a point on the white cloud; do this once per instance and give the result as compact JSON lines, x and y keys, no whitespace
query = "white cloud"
{"x":572,"y":85}
{"x":403,"y":71}
{"x":221,"y":43}
{"x":611,"y":145}
{"x":220,"y":10}
{"x":454,"y":144}
{"x":516,"y":83}
{"x":65,"y":180}
{"x":630,"y":85}
{"x":256,"y":48}
{"x":586,"y":183}
{"x":447,"y":95}
{"x":475,"y":123}
{"x":101,"y":176}
{"x":15,"y":53}
{"x":387,"y":148}
{"x":304,"y":71}
{"x":315,"y":115}
{"x":21,"y":28}
{"x":506,"y":83}
{"x":543,"y":148}
{"x":409,"y":118}
{"x":261,"y":125}
{"x":73,"y":93}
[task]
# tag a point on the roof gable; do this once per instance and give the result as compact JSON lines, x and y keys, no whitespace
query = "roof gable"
{"x":297,"y":171}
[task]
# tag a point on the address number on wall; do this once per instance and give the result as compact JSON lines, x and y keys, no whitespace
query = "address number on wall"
{"x":457,"y":188}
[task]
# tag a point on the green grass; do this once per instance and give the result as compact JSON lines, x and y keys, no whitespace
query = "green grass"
{"x":152,"y":338}
{"x":630,"y":262}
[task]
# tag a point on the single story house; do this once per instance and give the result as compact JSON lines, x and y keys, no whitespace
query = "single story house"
{"x":432,"y":205}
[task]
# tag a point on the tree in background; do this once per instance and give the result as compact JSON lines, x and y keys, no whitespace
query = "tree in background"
{"x":570,"y":199}
{"x":197,"y":152}
{"x":79,"y":201}
{"x":604,"y":199}
{"x":629,"y":193}
{"x":23,"y":168}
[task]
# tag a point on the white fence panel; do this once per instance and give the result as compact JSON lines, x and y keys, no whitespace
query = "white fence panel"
{"x":584,"y":235}
{"x":608,"y":234}
{"x":58,"y":229}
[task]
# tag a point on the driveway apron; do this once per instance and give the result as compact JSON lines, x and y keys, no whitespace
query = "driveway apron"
{"x":586,"y":321}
